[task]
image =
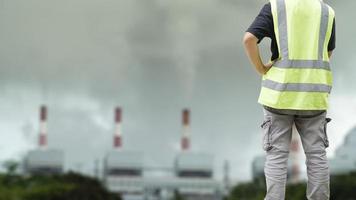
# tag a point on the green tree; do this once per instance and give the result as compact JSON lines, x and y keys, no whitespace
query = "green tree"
{"x":177,"y":195}
{"x":11,"y":166}
{"x":69,"y":186}
{"x":342,"y":187}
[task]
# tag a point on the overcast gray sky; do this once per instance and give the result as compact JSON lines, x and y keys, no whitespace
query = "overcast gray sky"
{"x":153,"y":58}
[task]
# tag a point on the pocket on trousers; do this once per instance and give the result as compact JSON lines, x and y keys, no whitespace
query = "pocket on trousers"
{"x":325,"y":136}
{"x":266,"y":127}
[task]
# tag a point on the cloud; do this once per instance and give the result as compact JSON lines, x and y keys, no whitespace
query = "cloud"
{"x":82,"y":58}
{"x":342,"y":112}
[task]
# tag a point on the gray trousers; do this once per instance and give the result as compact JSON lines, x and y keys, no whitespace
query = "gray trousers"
{"x":277,"y":130}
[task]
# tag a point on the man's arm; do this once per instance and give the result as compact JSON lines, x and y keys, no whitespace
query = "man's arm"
{"x":332,"y":41}
{"x":251,"y":47}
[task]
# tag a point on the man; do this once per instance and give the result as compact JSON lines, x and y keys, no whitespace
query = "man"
{"x":296,"y":84}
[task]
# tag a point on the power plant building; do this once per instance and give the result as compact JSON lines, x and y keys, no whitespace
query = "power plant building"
{"x":194,"y":168}
{"x":294,"y":174}
{"x":344,"y":160}
{"x":191,"y":174}
{"x":123,"y":170}
{"x":258,"y":164}
{"x":44,"y":160}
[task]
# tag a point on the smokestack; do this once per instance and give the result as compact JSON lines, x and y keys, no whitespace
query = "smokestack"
{"x":185,"y":141}
{"x":295,"y":146}
{"x":43,"y":127}
{"x":117,"y":135}
{"x":227,"y":177}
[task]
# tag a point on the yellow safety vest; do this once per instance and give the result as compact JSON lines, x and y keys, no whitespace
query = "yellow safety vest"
{"x":301,"y":78}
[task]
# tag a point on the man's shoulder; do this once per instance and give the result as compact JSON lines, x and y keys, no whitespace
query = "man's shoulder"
{"x":267,"y":5}
{"x":266,"y":9}
{"x":330,"y":8}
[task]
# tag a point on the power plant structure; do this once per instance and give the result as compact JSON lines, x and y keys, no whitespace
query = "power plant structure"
{"x":258,"y":165}
{"x":123,"y":169}
{"x":44,"y":160}
{"x":191,"y":176}
{"x":194,"y":169}
{"x":227,"y":181}
{"x":344,"y":160}
{"x":294,"y":172}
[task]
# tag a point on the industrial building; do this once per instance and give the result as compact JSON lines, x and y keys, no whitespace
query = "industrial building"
{"x":191,"y":174}
{"x":344,"y":160}
{"x":44,"y":160}
{"x":258,"y":164}
{"x":123,"y":170}
{"x":195,"y":169}
{"x":294,"y":172}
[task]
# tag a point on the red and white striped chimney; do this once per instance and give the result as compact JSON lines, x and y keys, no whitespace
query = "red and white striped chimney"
{"x":185,"y":141}
{"x":42,"y":142}
{"x":117,"y":134}
{"x":295,"y":147}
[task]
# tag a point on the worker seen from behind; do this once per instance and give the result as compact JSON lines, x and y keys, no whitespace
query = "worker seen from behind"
{"x":296,"y":84}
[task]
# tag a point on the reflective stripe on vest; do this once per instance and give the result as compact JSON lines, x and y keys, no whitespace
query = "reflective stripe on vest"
{"x":296,"y":87}
{"x":301,"y":78}
{"x":283,"y":40}
{"x":311,"y":64}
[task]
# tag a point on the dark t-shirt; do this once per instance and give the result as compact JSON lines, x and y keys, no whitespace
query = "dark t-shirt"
{"x":263,"y":27}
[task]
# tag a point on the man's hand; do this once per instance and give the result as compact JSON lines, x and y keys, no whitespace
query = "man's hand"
{"x":267,"y":67}
{"x":330,"y":53}
{"x":253,"y":53}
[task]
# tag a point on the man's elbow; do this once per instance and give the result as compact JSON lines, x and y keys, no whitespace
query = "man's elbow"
{"x":248,"y":39}
{"x":330,"y":53}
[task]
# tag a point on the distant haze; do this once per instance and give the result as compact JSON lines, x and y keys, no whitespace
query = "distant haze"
{"x":153,"y":58}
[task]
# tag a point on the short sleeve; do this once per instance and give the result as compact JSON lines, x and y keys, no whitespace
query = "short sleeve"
{"x":262,"y":26}
{"x":332,"y":41}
